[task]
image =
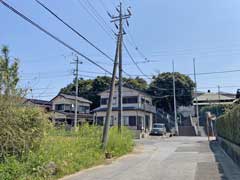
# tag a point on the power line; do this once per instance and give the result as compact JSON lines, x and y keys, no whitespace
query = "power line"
{"x":95,"y":15}
{"x":216,"y":72}
{"x":129,"y":54}
{"x":74,"y":30}
{"x":51,"y":35}
{"x":133,"y":43}
{"x":95,"y":19}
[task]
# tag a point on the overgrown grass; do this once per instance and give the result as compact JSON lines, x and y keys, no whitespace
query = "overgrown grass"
{"x":64,"y":152}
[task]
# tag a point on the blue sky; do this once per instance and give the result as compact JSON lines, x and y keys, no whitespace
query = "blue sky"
{"x":162,"y":29}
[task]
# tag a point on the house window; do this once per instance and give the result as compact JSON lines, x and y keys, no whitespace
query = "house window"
{"x":68,"y":107}
{"x":83,"y":109}
{"x":132,"y":121}
{"x":59,"y":107}
{"x":100,"y":120}
{"x":104,"y":101}
{"x":125,"y":120}
{"x":130,"y":100}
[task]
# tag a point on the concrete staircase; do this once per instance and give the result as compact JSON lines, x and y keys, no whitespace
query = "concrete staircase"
{"x":186,"y":128}
{"x":186,"y":131}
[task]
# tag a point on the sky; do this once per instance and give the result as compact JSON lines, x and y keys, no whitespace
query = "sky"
{"x":162,"y":30}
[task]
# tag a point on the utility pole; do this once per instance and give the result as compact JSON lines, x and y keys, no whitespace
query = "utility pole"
{"x":219,"y":100}
{"x":174,"y":99}
{"x":110,"y":97}
{"x":196,"y":96}
{"x":76,"y":62}
{"x":121,"y":32}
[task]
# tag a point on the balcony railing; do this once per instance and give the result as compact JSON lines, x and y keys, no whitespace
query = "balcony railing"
{"x":148,"y":107}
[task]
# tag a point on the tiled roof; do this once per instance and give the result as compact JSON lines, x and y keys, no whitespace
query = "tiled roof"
{"x":81,"y":99}
{"x":213,"y":97}
{"x":139,"y":91}
{"x":39,"y":102}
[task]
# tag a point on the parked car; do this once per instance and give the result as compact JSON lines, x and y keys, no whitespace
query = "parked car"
{"x":158,"y":129}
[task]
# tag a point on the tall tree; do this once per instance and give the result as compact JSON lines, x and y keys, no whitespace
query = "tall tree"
{"x":8,"y":73}
{"x":89,"y":88}
{"x":136,"y":83}
{"x":162,"y":90}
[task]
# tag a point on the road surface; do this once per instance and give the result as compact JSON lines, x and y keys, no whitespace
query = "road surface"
{"x":177,"y":158}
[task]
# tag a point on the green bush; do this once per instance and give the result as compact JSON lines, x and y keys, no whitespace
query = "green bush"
{"x":65,"y":152}
{"x":228,"y":125}
{"x":217,"y":110}
{"x":22,"y":128}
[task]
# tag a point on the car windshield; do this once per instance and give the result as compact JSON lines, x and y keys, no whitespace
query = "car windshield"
{"x":158,"y":126}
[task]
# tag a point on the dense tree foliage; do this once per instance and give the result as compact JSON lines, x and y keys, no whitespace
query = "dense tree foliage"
{"x":89,"y":88}
{"x":136,"y":83}
{"x":162,"y":89}
{"x":8,"y":73}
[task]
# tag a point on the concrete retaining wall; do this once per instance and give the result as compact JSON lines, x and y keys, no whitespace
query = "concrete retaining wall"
{"x":231,"y":149}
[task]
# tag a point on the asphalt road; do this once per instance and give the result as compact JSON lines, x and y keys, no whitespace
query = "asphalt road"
{"x":177,"y":158}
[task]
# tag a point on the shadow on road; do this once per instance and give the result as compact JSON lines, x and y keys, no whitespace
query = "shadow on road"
{"x":220,"y":158}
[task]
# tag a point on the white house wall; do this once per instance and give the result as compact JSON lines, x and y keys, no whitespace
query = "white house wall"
{"x":126,"y":92}
{"x":126,"y":114}
{"x":62,"y":100}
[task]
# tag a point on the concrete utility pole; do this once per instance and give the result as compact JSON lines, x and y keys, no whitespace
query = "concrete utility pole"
{"x":219,"y":93}
{"x":196,"y":96}
{"x":219,"y":100}
{"x":76,"y":62}
{"x":110,"y":97}
{"x":120,"y":72}
{"x":120,"y":18}
{"x":174,"y":99}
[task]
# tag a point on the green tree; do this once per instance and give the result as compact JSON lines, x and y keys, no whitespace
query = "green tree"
{"x":8,"y":73}
{"x":162,"y":88}
{"x":89,"y":88}
{"x":136,"y":83}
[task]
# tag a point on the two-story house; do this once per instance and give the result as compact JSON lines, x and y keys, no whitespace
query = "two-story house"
{"x":137,"y":109}
{"x":63,"y":107}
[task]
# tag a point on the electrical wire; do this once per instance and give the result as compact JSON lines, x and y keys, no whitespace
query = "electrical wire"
{"x":74,"y":30}
{"x":51,"y":35}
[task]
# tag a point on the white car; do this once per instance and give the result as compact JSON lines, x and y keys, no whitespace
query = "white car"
{"x":158,"y":129}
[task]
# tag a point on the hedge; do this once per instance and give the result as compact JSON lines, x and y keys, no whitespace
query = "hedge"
{"x":228,"y":125}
